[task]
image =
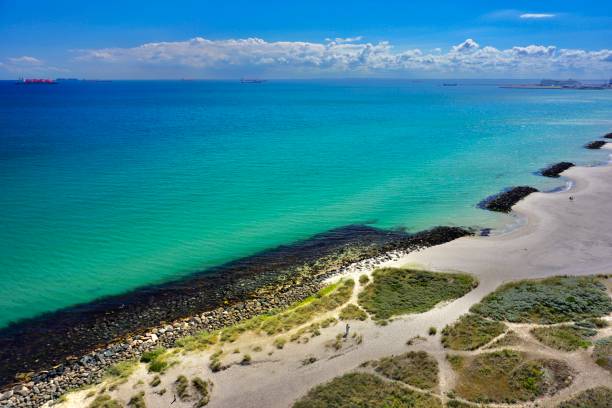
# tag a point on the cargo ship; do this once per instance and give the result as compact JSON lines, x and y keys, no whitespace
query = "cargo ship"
{"x":36,"y":81}
{"x":252,"y":81}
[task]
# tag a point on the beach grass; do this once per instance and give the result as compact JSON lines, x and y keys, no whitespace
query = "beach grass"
{"x":547,"y":301}
{"x":137,"y":401}
{"x":352,"y":312}
{"x":602,"y":353}
{"x":471,"y":332}
{"x":509,"y":377}
{"x":105,"y":401}
{"x":203,"y":388}
{"x":508,"y":339}
{"x":416,"y":368}
{"x":156,"y":359}
{"x":122,"y":370}
{"x":326,"y":299}
{"x":396,"y":291}
{"x":182,"y":387}
{"x":365,"y":391}
{"x":564,"y":338}
{"x":598,"y":397}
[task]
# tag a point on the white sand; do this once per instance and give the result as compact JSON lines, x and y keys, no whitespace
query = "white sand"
{"x":561,"y":236}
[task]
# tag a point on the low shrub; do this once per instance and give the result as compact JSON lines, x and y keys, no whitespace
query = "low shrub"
{"x":565,"y":338}
{"x":471,"y":332}
{"x":552,"y":300}
{"x":105,"y":401}
{"x":598,"y":397}
{"x":137,"y":401}
{"x":416,"y":368}
{"x":602,"y":353}
{"x":352,"y":312}
{"x":395,"y":291}
{"x":365,"y":391}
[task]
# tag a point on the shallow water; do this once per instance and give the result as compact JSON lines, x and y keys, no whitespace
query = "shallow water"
{"x":109,"y":186}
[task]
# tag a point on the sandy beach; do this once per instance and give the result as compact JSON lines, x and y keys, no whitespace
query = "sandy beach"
{"x":566,"y":232}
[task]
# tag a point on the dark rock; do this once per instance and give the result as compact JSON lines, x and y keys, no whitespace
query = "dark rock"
{"x":595,"y":144}
{"x":608,"y":136}
{"x":556,"y":169}
{"x":504,"y":201}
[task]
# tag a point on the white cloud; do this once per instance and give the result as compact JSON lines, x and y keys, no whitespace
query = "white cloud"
{"x":25,"y":60}
{"x":26,"y":65}
{"x":352,"y":56}
{"x":345,"y":40}
{"x":537,"y":16}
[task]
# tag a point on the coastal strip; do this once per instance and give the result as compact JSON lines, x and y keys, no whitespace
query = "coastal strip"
{"x":290,"y":274}
{"x":42,"y":358}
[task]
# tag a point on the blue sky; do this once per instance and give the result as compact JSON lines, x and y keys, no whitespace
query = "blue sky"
{"x":206,"y":39}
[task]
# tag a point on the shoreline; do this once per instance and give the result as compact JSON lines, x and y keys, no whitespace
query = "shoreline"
{"x":387,"y":258}
{"x":278,"y":381}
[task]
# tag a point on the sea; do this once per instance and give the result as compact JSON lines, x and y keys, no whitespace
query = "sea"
{"x":106,"y":187}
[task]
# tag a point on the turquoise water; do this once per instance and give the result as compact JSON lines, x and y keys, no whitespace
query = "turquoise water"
{"x":109,"y":186}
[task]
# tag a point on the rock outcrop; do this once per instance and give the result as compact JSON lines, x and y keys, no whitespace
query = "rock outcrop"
{"x":595,"y":144}
{"x":556,"y":169}
{"x":504,"y":201}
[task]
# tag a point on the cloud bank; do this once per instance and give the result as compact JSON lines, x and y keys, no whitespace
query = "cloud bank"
{"x":353,"y":56}
{"x":536,"y":16}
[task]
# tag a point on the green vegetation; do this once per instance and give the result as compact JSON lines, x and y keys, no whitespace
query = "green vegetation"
{"x":246,"y":359}
{"x":416,"y":368}
{"x":280,"y":342}
{"x":182,"y":385}
{"x":364,"y":391}
{"x":598,"y":397}
{"x":327,"y":299}
{"x":565,"y":338}
{"x":508,"y":377}
{"x":456,"y":361}
{"x":547,"y":301}
{"x":215,"y":361}
{"x":105,"y":401}
{"x":471,"y":332}
{"x":458,"y":404}
{"x":199,"y":341}
{"x":395,"y":291}
{"x":602,"y":353}
{"x":122,"y":370}
{"x":309,"y":360}
{"x":157,"y":360}
{"x":155,"y":381}
{"x":363,"y":279}
{"x":508,"y":339}
{"x":203,"y":388}
{"x":432,"y":331}
{"x":137,"y":401}
{"x":352,"y":312}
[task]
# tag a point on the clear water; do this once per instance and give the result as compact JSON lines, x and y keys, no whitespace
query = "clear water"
{"x":105,"y":187}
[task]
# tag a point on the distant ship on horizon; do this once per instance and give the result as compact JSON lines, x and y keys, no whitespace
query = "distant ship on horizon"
{"x":36,"y":81}
{"x":251,"y":81}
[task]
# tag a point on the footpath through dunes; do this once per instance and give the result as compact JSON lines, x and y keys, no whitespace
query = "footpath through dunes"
{"x":244,"y":288}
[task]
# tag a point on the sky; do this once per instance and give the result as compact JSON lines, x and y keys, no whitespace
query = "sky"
{"x":315,"y":39}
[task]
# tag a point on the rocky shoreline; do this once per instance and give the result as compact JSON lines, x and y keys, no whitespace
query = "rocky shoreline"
{"x":595,"y":144}
{"x":504,"y":201}
{"x":556,"y":169}
{"x":367,"y":248}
